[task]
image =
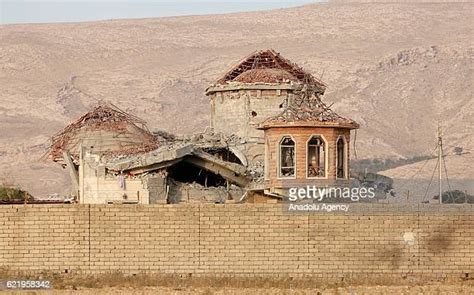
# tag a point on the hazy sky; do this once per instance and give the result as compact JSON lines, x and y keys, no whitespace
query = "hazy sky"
{"x":39,"y":11}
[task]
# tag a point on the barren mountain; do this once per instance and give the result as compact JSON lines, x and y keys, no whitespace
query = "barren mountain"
{"x":397,"y":69}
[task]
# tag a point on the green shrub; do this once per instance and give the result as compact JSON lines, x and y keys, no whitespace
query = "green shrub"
{"x":457,"y":197}
{"x":11,"y":193}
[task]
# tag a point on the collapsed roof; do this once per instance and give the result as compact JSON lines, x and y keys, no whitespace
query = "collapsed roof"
{"x":266,"y":76}
{"x":105,"y":130}
{"x":125,"y":144}
{"x":268,"y":66}
{"x":171,"y":154}
{"x":311,"y":113}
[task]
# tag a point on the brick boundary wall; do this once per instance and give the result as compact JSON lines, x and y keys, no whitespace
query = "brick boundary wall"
{"x":371,"y":240}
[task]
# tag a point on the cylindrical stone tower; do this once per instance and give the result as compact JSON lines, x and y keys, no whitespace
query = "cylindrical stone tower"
{"x":260,"y":86}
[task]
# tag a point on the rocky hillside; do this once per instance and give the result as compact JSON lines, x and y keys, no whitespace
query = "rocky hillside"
{"x":398,"y":69}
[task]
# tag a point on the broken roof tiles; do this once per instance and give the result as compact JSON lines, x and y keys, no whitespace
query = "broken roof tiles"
{"x":108,"y":130}
{"x":266,"y":76}
{"x":310,"y":112}
{"x":268,"y":66}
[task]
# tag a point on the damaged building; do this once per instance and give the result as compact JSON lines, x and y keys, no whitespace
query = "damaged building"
{"x":262,"y":85}
{"x":269,"y":131}
{"x":112,"y":157}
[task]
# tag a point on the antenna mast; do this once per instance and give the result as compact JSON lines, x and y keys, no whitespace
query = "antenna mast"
{"x":440,"y":158}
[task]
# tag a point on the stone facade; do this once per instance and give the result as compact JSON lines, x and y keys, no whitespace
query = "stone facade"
{"x":98,"y":187}
{"x":240,"y":112}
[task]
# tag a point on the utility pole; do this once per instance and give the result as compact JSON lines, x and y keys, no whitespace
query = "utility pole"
{"x":440,"y":158}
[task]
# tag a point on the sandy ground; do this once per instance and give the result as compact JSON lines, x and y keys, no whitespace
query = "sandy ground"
{"x":438,"y":288}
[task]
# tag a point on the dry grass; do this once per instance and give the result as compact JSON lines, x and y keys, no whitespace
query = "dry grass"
{"x":118,"y":279}
{"x":212,"y":284}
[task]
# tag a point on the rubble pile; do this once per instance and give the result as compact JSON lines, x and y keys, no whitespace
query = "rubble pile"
{"x":310,"y":110}
{"x":164,"y":136}
{"x":257,"y":172}
{"x":245,"y":70}
{"x":210,"y":138}
{"x":180,"y":192}
{"x":266,"y":76}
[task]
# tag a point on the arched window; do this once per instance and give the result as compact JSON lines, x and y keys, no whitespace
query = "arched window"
{"x":341,"y":157}
{"x":316,"y":157}
{"x":287,"y":157}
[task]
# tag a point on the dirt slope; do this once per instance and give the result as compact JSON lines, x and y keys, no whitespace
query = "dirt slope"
{"x":395,"y":68}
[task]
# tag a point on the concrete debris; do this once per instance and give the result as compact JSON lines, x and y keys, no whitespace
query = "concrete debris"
{"x":165,"y":136}
{"x":209,"y":138}
{"x":169,"y":155}
{"x":257,"y":172}
{"x":205,"y":140}
{"x":163,"y":154}
{"x":196,"y":193}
